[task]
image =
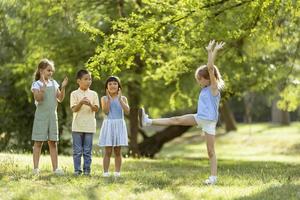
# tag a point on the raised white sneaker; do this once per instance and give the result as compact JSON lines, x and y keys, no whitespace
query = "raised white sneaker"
{"x":212,"y":180}
{"x":58,"y":171}
{"x":117,"y":174}
{"x":105,"y":174}
{"x":36,"y":171}
{"x":143,"y":118}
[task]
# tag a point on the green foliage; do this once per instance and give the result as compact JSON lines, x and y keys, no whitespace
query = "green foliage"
{"x":170,"y":38}
{"x":30,"y":31}
{"x":290,"y":98}
{"x":155,"y":45}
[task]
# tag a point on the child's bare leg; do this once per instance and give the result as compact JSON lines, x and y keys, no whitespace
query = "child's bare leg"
{"x":184,"y":120}
{"x":210,"y":144}
{"x":37,"y":147}
{"x":118,"y":159}
{"x":53,"y":153}
{"x":106,"y":159}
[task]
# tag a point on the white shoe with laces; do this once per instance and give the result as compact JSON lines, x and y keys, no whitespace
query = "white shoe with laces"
{"x":106,"y":174}
{"x":36,"y":171}
{"x":212,"y":180}
{"x":143,"y":118}
{"x":58,"y":172}
{"x":117,"y":174}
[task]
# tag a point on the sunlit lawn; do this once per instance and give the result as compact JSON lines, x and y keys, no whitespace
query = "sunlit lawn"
{"x":260,"y":161}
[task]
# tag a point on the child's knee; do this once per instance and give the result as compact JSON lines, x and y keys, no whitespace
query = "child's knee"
{"x":108,"y":152}
{"x":38,"y":145}
{"x":52,"y":144}
{"x":176,"y":120}
{"x":117,"y":152}
{"x":211,"y":153}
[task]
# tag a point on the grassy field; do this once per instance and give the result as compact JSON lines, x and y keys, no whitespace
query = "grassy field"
{"x":260,"y":161}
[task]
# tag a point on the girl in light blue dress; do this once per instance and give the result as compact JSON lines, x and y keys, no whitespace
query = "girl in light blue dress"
{"x":210,"y":80}
{"x":113,"y":133}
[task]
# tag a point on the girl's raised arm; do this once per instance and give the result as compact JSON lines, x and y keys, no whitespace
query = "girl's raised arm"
{"x":210,"y":64}
{"x":61,"y":93}
{"x":105,"y":102}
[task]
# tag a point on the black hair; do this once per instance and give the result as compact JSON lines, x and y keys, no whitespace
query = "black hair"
{"x":81,"y":73}
{"x":113,"y":78}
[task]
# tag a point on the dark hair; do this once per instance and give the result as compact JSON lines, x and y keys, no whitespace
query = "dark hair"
{"x":81,"y":73}
{"x":44,"y":63}
{"x":111,"y":79}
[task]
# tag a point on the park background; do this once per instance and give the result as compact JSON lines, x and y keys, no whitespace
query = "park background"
{"x":154,"y":47}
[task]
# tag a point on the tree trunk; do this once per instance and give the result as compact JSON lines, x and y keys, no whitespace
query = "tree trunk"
{"x":248,"y":102}
{"x":121,"y":8}
{"x":227,"y":117}
{"x":134,"y":97}
{"x":279,"y":116}
{"x":134,"y":101}
{"x":152,"y":145}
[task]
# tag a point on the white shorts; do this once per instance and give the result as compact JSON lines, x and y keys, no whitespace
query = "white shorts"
{"x":208,"y":126}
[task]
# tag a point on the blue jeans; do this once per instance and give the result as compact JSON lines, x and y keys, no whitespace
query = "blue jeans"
{"x":82,"y":144}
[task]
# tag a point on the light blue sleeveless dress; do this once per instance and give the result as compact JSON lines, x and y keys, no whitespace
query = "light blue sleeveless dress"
{"x":113,"y":131}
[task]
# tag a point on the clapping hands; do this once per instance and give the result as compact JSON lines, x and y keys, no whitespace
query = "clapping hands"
{"x":86,"y":101}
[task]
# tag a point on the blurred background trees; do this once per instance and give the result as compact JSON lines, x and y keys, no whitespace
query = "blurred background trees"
{"x":154,"y":47}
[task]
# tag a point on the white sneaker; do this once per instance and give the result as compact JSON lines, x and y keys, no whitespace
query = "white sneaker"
{"x":58,"y":171}
{"x":106,"y":174}
{"x":117,"y":174}
{"x":143,"y":118}
{"x":36,"y":171}
{"x":212,"y":180}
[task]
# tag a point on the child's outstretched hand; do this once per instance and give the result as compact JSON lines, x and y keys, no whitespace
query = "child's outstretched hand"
{"x":219,"y":46}
{"x":65,"y":82}
{"x":210,"y":45}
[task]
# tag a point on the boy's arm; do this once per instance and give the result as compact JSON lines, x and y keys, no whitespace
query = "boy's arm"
{"x":75,"y":105}
{"x":95,"y":105}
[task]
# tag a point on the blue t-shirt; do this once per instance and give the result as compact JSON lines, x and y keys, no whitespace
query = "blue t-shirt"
{"x":208,"y":105}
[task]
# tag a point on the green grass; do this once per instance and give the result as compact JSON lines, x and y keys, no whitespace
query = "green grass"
{"x":260,"y":161}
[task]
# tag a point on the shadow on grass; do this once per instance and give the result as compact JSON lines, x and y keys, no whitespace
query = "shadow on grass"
{"x":140,"y":176}
{"x":176,"y":173}
{"x":293,"y":150}
{"x":286,"y":191}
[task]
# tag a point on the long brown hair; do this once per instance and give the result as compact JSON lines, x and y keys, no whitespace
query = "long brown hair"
{"x":44,"y":63}
{"x":202,"y":71}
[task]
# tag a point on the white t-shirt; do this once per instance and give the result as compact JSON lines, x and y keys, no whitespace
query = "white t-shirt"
{"x":38,"y":84}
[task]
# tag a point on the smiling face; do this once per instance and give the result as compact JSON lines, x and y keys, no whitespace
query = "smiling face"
{"x":47,"y":72}
{"x":113,"y":87}
{"x":85,"y":81}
